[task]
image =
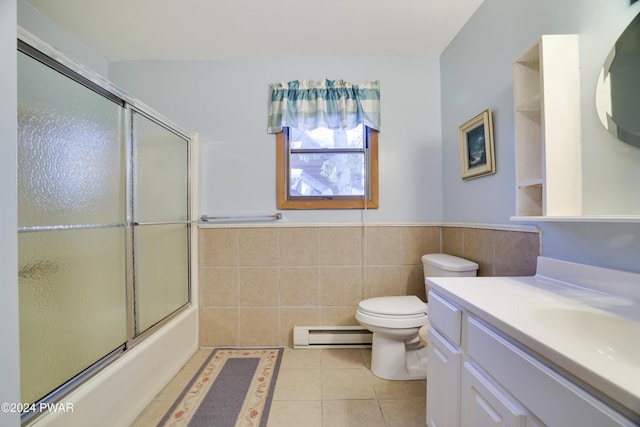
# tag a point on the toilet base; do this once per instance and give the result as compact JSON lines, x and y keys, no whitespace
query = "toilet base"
{"x":393,"y":359}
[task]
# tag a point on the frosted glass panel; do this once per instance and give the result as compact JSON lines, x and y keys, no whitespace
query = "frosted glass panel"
{"x":72,"y":304}
{"x":160,"y":173}
{"x":69,"y":151}
{"x":161,"y":272}
{"x":77,"y":246}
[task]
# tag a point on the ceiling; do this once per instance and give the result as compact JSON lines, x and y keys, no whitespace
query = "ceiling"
{"x":121,"y":30}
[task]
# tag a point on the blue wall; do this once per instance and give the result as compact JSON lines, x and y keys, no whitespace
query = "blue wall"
{"x":477,"y":73}
{"x":226,"y":101}
{"x":33,"y":21}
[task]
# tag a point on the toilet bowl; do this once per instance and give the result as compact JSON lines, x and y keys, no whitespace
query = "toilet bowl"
{"x":396,"y":350}
{"x":395,"y":322}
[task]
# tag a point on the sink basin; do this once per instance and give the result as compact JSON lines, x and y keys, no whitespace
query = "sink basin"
{"x":610,"y":336}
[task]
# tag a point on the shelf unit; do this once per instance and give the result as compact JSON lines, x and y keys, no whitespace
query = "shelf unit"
{"x":546,"y":86}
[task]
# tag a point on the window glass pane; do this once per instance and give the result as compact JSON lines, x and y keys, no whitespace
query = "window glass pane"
{"x":69,"y":151}
{"x":72,"y":304}
{"x":327,"y":174}
{"x":161,"y":272}
{"x":326,"y":138}
{"x":160,"y":173}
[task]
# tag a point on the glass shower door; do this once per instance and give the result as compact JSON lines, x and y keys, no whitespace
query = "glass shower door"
{"x":104,"y":224}
{"x":161,"y":221}
{"x":71,"y":210}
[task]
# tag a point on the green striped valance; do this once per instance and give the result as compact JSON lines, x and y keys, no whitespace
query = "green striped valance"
{"x":334,"y":104}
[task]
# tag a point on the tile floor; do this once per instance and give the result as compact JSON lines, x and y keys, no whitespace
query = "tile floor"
{"x":320,"y":388}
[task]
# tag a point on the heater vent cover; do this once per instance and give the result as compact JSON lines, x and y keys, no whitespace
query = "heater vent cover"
{"x":331,"y":337}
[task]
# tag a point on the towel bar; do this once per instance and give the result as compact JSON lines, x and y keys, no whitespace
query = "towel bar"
{"x":276,"y":216}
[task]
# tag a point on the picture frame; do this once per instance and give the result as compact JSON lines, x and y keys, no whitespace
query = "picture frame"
{"x":477,"y":156}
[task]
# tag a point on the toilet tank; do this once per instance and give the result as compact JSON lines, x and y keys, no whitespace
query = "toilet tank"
{"x":443,"y":265}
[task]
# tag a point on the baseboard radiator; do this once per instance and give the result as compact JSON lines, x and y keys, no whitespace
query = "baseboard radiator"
{"x":331,"y":337}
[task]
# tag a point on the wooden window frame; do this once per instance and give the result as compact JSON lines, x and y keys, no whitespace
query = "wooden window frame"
{"x":282,"y":157}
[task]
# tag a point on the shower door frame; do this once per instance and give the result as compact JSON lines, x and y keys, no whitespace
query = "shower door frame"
{"x":32,"y":46}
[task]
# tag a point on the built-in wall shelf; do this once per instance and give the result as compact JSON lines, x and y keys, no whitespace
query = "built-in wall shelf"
{"x":530,"y":183}
{"x":531,"y":105}
{"x":546,"y":87}
{"x":581,"y":218}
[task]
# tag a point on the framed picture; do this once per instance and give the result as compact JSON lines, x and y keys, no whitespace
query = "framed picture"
{"x":476,"y":147}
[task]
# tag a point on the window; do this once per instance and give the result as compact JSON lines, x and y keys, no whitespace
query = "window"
{"x":327,"y":169}
{"x":327,"y":143}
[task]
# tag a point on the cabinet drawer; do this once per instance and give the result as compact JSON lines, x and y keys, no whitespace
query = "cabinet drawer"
{"x":445,"y":316}
{"x":554,"y":399}
{"x":486,"y":405}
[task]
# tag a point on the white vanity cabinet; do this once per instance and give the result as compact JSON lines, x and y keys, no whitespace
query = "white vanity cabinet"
{"x":477,"y":376}
{"x":443,"y":373}
{"x":458,"y":393}
{"x":445,"y":363}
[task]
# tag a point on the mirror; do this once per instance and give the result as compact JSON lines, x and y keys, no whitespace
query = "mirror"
{"x":618,"y":89}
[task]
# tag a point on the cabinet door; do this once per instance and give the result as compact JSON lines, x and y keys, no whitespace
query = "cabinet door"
{"x":485,"y":405}
{"x":443,"y":381}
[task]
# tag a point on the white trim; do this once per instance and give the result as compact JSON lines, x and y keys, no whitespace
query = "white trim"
{"x":503,"y":227}
{"x":581,"y":218}
{"x":317,"y":225}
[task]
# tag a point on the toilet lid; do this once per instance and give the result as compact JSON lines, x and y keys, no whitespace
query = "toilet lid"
{"x":396,"y":305}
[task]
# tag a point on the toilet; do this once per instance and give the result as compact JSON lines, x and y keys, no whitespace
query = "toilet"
{"x":396,"y":351}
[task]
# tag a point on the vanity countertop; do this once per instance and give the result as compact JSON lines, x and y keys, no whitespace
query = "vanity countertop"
{"x":584,"y":319}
